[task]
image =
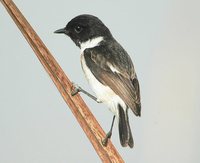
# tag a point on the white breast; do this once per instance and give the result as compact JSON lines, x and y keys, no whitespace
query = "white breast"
{"x":103,"y":93}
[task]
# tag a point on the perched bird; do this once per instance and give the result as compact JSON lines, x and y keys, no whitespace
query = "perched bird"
{"x":108,"y":69}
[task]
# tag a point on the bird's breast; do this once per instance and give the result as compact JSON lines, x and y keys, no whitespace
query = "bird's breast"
{"x":104,"y":93}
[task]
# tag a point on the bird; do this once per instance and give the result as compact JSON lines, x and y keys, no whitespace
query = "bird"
{"x":109,"y":70}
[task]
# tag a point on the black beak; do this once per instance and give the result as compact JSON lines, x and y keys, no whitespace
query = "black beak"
{"x":62,"y":30}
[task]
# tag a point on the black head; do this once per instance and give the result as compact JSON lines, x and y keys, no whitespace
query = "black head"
{"x":85,"y":27}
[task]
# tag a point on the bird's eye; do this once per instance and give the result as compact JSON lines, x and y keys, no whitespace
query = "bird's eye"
{"x":78,"y":29}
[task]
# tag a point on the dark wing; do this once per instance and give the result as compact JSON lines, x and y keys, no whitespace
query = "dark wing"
{"x":113,"y":67}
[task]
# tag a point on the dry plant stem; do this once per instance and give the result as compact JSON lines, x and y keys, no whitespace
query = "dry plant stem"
{"x":82,"y":113}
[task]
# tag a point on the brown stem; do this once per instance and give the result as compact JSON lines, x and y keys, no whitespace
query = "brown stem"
{"x":82,"y":113}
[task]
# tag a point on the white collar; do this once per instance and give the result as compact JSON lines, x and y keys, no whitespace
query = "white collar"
{"x":91,"y":43}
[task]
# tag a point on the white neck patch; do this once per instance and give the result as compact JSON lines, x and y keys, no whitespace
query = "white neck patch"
{"x":91,"y":43}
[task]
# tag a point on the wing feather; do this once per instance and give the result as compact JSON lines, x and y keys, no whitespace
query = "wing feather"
{"x":118,"y":75}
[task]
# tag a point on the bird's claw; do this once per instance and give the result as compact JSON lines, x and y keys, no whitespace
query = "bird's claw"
{"x":75,"y":89}
{"x":105,"y":140}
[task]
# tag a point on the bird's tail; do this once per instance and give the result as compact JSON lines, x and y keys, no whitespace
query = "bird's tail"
{"x":125,"y":134}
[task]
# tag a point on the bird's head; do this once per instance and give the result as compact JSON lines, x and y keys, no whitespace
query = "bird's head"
{"x":85,"y":27}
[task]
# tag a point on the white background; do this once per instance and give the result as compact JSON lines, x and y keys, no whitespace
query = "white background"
{"x":163,"y":40}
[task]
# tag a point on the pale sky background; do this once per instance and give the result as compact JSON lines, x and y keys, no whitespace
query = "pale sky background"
{"x":163,"y":40}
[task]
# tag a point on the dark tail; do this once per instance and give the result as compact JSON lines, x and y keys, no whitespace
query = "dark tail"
{"x":125,"y":134}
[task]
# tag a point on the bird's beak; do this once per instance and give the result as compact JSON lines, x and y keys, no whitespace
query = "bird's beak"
{"x":62,"y":30}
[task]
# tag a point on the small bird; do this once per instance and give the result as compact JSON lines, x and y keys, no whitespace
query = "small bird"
{"x":109,"y":71}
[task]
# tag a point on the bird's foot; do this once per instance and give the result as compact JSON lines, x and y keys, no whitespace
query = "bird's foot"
{"x":105,"y":140}
{"x":75,"y":89}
